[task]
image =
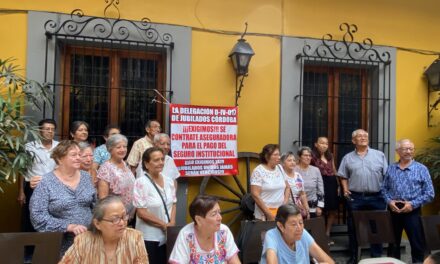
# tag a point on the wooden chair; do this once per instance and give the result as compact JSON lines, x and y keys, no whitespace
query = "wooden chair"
{"x":172,"y":233}
{"x":372,"y":227}
{"x":431,"y":230}
{"x":316,"y":228}
{"x":47,"y":247}
{"x":252,"y":239}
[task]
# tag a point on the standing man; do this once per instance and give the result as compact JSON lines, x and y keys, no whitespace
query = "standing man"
{"x":406,"y":187}
{"x":42,"y":163}
{"x":362,"y":172}
{"x":152,"y":127}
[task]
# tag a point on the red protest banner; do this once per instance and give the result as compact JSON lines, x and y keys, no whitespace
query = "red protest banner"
{"x":204,"y":139}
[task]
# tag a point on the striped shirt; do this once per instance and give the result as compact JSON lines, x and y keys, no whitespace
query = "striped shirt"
{"x":411,"y":184}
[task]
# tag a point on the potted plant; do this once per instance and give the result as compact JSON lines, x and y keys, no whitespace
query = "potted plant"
{"x":15,"y":128}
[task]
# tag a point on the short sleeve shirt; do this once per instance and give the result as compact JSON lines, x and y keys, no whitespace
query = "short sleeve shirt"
{"x":272,"y":185}
{"x":187,"y":249}
{"x":100,"y":154}
{"x":42,"y":163}
{"x":364,"y":174}
{"x":273,"y":240}
{"x":138,"y":149}
{"x":296,"y":184}
{"x":146,"y":196}
{"x":120,"y":181}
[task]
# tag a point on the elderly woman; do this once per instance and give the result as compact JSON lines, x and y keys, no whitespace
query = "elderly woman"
{"x":79,"y":131}
{"x":87,"y":160}
{"x":322,"y":158}
{"x":296,"y":183}
{"x":206,"y":239}
{"x":288,"y":242}
{"x":313,"y":184}
{"x":109,"y":240}
{"x":155,"y":200}
{"x":63,"y":200}
{"x":114,"y":176}
{"x":268,"y":185}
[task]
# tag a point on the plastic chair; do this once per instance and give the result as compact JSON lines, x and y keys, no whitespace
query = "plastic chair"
{"x":316,"y":228}
{"x":372,"y":227}
{"x":431,"y":230}
{"x":47,"y":247}
{"x":172,"y":233}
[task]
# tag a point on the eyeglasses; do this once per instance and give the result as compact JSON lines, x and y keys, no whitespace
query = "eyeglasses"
{"x":407,"y":149}
{"x":298,"y":225}
{"x":117,"y":220}
{"x":48,"y":129}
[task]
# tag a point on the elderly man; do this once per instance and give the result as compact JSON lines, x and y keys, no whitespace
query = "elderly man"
{"x":406,"y":187}
{"x":42,"y":163}
{"x":362,"y":172}
{"x":152,"y":127}
{"x":170,"y":170}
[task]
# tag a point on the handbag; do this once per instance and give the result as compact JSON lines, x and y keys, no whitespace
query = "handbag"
{"x":161,"y":197}
{"x":296,"y":200}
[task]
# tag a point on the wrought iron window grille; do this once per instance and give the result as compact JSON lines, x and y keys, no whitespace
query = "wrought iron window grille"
{"x":330,"y":52}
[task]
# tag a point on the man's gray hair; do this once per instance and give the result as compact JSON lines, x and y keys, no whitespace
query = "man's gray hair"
{"x":400,"y":142}
{"x":357,"y":131}
{"x":115,"y":140}
{"x":157,"y":137}
{"x":83,"y":145}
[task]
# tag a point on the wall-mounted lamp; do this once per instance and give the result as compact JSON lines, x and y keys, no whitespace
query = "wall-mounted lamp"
{"x":433,"y":76}
{"x":241,"y":55}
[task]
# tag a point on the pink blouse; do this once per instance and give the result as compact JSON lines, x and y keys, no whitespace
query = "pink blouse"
{"x":120,"y":181}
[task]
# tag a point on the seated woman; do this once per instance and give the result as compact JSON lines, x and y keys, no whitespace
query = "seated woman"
{"x":289,"y":242}
{"x":206,"y":240}
{"x":63,"y":200}
{"x":109,"y":240}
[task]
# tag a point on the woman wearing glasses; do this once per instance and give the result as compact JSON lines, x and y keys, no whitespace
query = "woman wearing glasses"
{"x":288,"y":242}
{"x":109,"y":240}
{"x":313,"y":185}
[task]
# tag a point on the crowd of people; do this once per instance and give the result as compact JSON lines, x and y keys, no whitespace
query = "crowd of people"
{"x":114,"y":208}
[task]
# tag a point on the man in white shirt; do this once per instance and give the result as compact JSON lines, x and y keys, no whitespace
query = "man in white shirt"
{"x":41,"y":149}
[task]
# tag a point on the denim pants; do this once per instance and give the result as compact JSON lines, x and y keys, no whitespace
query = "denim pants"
{"x":363,"y":202}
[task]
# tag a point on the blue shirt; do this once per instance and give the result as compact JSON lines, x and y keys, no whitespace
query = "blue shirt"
{"x":101,"y":155}
{"x":412,"y":184}
{"x":273,"y":240}
{"x":364,"y":174}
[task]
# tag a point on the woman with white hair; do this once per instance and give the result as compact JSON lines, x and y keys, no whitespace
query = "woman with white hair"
{"x":115,"y":176}
{"x":87,"y":160}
